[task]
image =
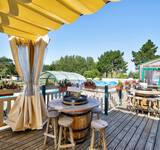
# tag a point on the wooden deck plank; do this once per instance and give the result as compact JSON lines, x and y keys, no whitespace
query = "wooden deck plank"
{"x":157,"y":142}
{"x":111,"y":121}
{"x":22,"y":140}
{"x":126,"y":131}
{"x":130,"y":133}
{"x":142,"y":141}
{"x":132,"y":143}
{"x":111,"y":130}
{"x":152,"y":136}
{"x":117,"y":128}
{"x":122,"y":133}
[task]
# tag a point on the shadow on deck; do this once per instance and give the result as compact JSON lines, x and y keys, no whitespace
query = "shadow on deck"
{"x":126,"y":131}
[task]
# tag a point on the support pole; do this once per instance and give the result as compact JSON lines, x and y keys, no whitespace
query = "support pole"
{"x":120,"y":96}
{"x":106,"y":103}
{"x":44,"y":92}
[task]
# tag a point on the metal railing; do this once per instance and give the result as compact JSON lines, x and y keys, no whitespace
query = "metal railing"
{"x":99,"y":94}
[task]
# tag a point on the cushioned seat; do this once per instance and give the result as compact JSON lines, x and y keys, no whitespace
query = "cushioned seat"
{"x":99,"y":124}
{"x":65,"y":121}
{"x":53,"y":114}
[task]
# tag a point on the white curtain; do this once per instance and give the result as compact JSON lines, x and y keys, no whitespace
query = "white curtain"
{"x":29,"y":110}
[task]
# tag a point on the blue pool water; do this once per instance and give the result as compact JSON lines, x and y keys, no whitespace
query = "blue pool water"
{"x":52,"y":90}
{"x":104,"y":83}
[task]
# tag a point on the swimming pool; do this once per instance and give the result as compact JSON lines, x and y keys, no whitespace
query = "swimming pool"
{"x":104,"y":83}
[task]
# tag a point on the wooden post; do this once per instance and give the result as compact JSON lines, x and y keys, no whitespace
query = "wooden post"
{"x":106,"y":100}
{"x":1,"y":113}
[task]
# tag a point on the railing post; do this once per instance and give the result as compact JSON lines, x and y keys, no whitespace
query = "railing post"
{"x":43,"y":88}
{"x":106,"y":103}
{"x":120,"y":96}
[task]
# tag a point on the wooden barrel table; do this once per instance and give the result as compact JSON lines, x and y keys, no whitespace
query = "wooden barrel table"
{"x":80,"y":125}
{"x":81,"y":115}
{"x":145,"y":93}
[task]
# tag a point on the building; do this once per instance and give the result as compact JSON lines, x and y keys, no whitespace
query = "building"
{"x":150,"y":72}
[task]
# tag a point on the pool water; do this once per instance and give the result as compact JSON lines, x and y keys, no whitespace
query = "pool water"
{"x":52,"y":90}
{"x":104,"y":83}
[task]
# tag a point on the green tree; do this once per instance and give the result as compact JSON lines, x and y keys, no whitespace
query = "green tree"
{"x":92,"y":73}
{"x":75,"y":63}
{"x":134,"y":75}
{"x":7,"y":67}
{"x":91,"y":65}
{"x":49,"y":67}
{"x":112,"y":62}
{"x":146,"y":53}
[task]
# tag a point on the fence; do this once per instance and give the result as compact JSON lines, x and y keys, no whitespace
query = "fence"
{"x":99,"y":94}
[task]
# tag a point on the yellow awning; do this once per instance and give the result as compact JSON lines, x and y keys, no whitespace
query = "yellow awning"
{"x":30,"y":19}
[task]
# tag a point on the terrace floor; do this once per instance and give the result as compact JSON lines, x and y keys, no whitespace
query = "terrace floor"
{"x":126,"y":131}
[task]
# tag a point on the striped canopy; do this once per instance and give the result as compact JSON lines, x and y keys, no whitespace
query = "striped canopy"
{"x":30,"y":19}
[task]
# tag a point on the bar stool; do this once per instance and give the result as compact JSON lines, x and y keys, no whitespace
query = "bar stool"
{"x":97,"y":111}
{"x":129,"y":102}
{"x":158,"y":106}
{"x":144,"y":105}
{"x":99,"y":126}
{"x":65,"y":123}
{"x":51,"y":122}
{"x":137,"y":104}
{"x":153,"y":106}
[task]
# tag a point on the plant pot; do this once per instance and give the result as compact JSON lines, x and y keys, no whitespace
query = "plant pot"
{"x":5,"y":92}
{"x":118,"y":88}
{"x":62,"y":89}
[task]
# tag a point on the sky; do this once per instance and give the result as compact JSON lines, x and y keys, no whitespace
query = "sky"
{"x":124,"y":26}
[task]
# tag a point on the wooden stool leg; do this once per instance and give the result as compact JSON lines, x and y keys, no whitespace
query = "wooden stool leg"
{"x":60,"y":137}
{"x":47,"y":128}
{"x":92,"y":140}
{"x":103,"y":139}
{"x":65,"y":134}
{"x":99,"y":139}
{"x":71,"y":136}
{"x":55,"y":132}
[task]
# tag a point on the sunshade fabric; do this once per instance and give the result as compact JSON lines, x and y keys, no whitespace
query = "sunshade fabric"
{"x":30,"y":19}
{"x":29,"y":111}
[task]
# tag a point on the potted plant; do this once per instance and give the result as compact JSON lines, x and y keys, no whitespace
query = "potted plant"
{"x":89,"y":84}
{"x":119,"y":86}
{"x":9,"y":88}
{"x":63,"y":85}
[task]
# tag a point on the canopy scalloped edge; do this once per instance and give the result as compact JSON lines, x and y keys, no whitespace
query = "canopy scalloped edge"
{"x":30,"y":19}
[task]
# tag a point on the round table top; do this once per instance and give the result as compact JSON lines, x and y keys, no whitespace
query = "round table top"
{"x":59,"y":106}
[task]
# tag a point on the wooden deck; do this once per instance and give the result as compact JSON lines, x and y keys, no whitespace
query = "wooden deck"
{"x":126,"y":131}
